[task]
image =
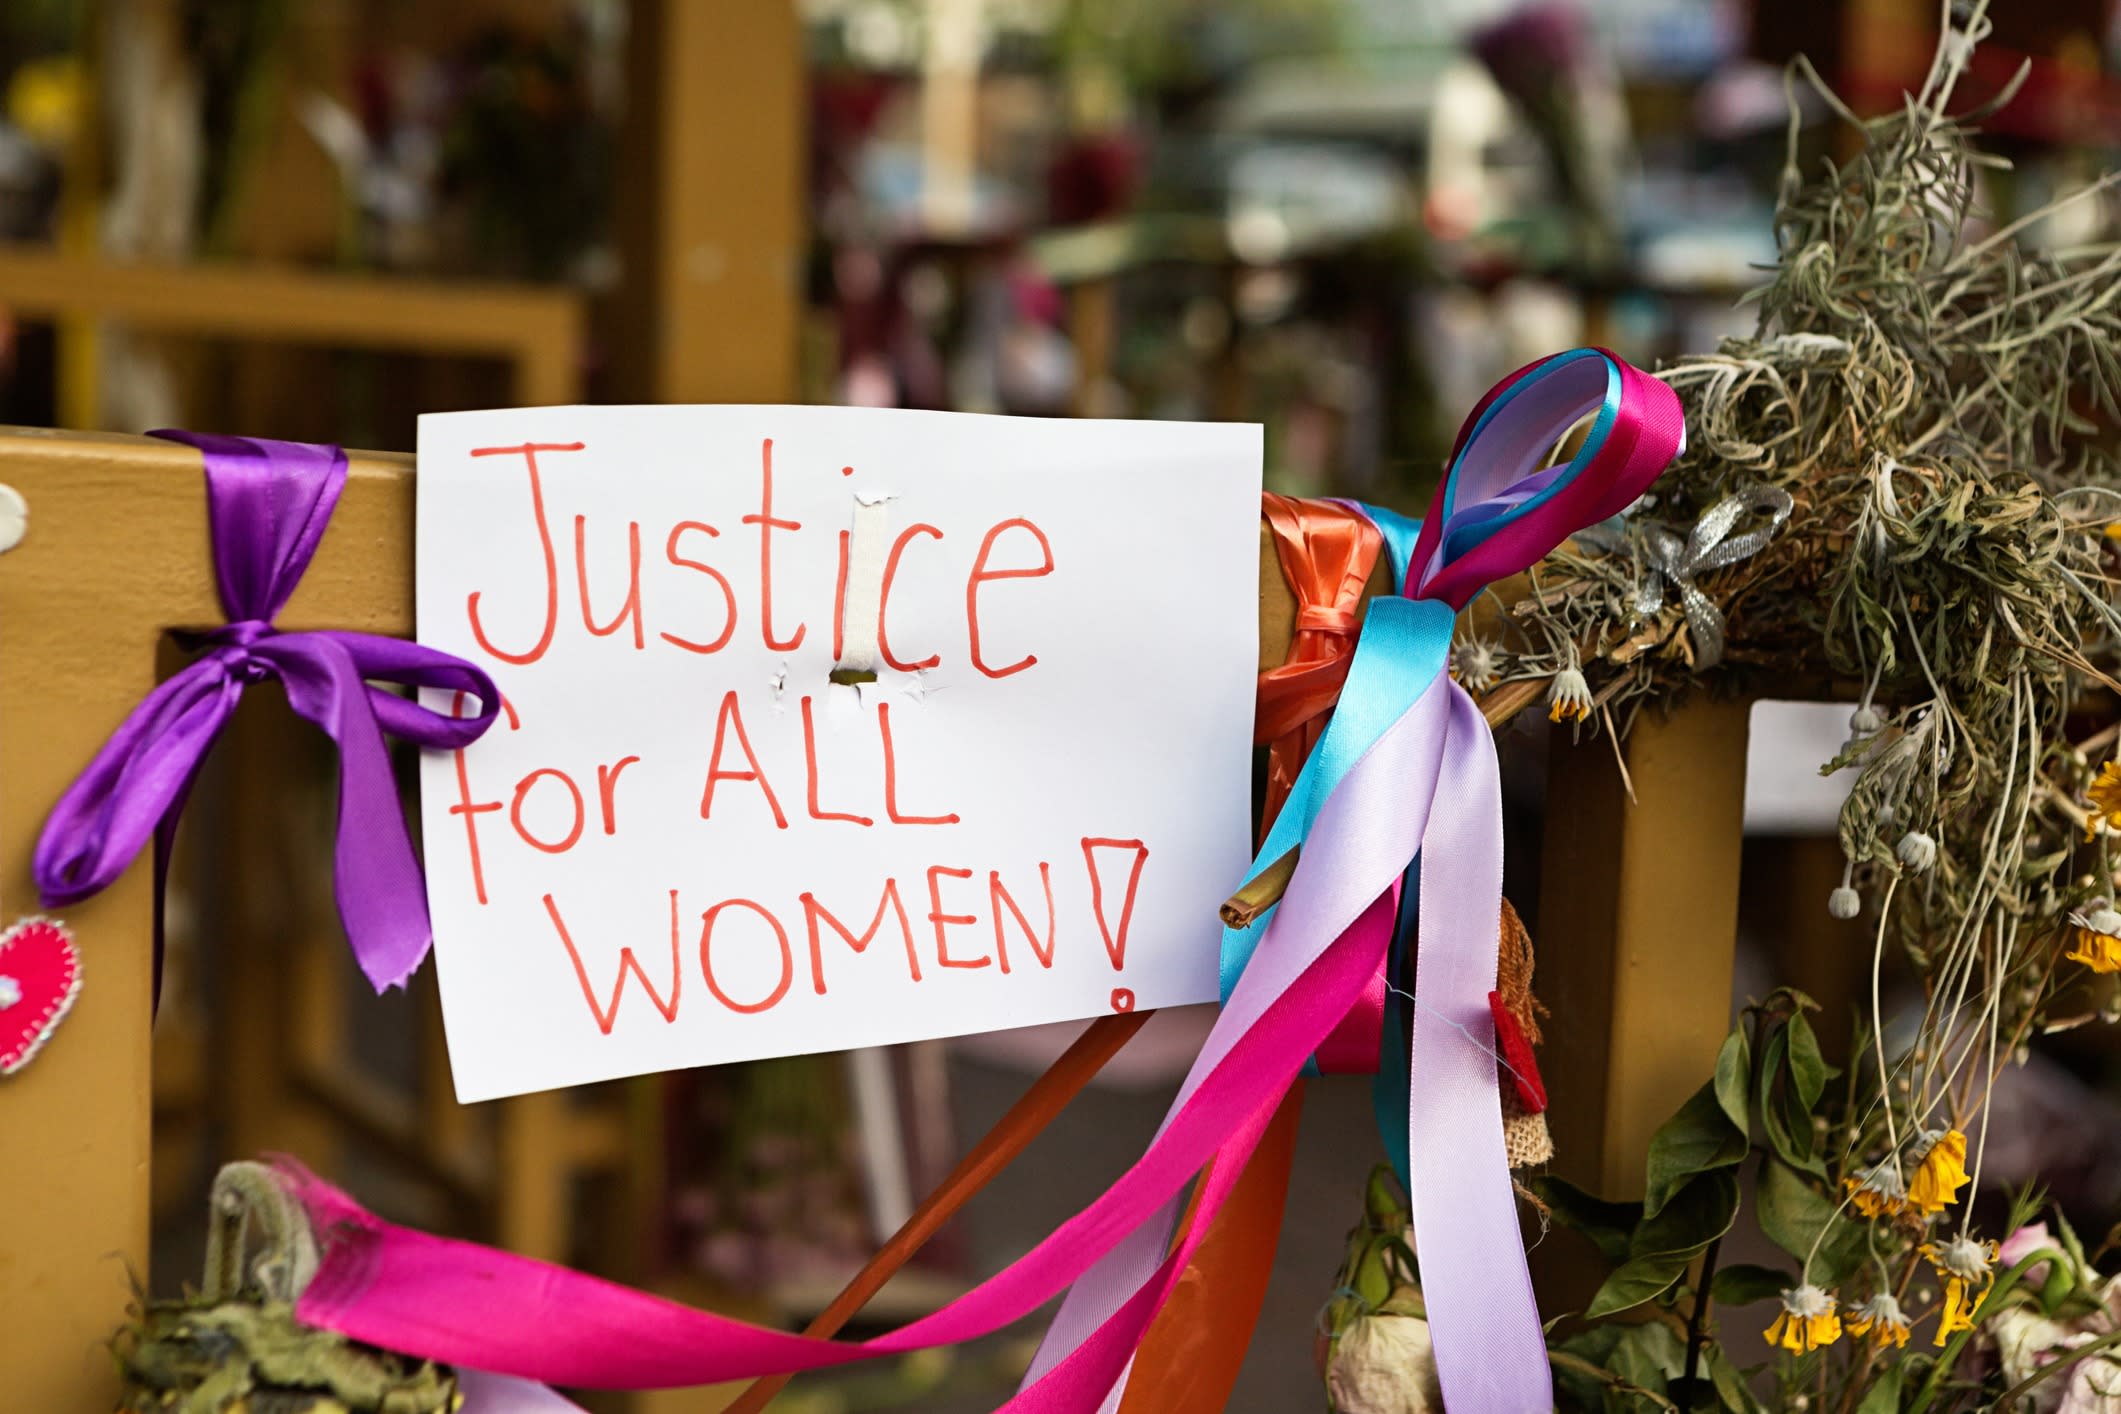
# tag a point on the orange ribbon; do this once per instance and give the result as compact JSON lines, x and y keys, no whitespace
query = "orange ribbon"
{"x":1189,"y":1360}
{"x":1327,"y":552}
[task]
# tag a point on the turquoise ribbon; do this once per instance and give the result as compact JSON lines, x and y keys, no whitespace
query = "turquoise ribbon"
{"x":1397,"y":657}
{"x":1396,"y":662}
{"x":1401,"y":533}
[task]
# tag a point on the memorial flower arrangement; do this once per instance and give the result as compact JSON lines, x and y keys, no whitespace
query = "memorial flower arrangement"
{"x":1888,"y":1297}
{"x":1899,"y":491}
{"x":1896,"y":491}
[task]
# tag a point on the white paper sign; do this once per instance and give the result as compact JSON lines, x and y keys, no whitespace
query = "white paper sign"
{"x":683,"y":843}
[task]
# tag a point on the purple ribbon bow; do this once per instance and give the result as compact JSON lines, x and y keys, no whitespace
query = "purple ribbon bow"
{"x":268,"y":503}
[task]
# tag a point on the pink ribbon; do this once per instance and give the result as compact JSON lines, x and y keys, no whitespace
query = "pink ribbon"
{"x":1425,"y":786}
{"x":1499,"y":510}
{"x":475,"y":1306}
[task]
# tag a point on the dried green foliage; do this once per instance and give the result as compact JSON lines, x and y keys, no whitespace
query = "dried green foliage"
{"x":240,"y":1357}
{"x":235,"y":1347}
{"x":1939,"y":405}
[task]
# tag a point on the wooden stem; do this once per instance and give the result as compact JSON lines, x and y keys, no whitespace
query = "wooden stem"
{"x":1260,"y":893}
{"x":1026,"y":1120}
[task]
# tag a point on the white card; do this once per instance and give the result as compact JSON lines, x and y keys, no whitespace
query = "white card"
{"x":683,"y":843}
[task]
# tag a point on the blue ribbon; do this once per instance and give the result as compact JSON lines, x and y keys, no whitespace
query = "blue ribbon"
{"x":1398,"y":657}
{"x":1401,"y":651}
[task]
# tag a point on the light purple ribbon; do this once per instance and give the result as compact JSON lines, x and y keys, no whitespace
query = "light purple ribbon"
{"x":268,"y":503}
{"x":1429,"y":786}
{"x":1497,"y":511}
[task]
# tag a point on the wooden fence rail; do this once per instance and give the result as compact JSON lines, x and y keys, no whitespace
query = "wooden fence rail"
{"x":1637,"y":913}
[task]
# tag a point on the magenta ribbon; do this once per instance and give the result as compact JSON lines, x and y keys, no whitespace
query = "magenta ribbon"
{"x":268,"y":503}
{"x":1499,"y":510}
{"x":1420,"y":785}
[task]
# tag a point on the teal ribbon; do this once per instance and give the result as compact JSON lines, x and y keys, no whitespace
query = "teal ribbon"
{"x":1397,"y":657}
{"x":1400,"y":655}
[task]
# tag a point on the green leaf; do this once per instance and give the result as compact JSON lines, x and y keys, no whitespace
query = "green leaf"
{"x":1594,"y":1346}
{"x":1785,"y":1120}
{"x":1732,"y":1393}
{"x":2071,"y":1244}
{"x":1650,"y":1356}
{"x":1734,"y":1076}
{"x":1373,"y":1278}
{"x":1808,"y":1069}
{"x":1697,"y":1139}
{"x":1884,"y":1396}
{"x":1788,"y":1137}
{"x":1699,"y":1213}
{"x":1774,"y":1058}
{"x":2043,"y":866}
{"x":1793,"y":1215}
{"x":1608,"y":1225}
{"x":1742,"y":1284}
{"x":1383,"y":1202}
{"x":2057,"y":1287}
{"x":1637,"y":1281}
{"x":1797,"y":1129}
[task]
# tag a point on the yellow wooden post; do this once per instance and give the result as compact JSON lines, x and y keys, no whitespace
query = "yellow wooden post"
{"x":1638,"y":915}
{"x":117,"y":554}
{"x":537,"y":331}
{"x":710,"y":203}
{"x":1092,"y":327}
{"x":261,"y":915}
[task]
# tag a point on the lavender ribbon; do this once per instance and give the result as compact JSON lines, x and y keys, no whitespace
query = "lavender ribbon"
{"x":1425,"y":787}
{"x":1497,"y":511}
{"x":268,"y":503}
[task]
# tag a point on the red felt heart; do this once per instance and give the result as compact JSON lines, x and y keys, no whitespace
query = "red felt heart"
{"x":40,"y":975}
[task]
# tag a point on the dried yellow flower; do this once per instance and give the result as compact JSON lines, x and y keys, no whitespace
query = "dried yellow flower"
{"x":1806,"y":1321}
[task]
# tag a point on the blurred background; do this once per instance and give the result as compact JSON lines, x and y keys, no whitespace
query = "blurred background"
{"x":1343,"y":219}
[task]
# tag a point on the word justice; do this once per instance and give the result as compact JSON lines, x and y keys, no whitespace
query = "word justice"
{"x":1015,"y":548}
{"x":744,"y":946}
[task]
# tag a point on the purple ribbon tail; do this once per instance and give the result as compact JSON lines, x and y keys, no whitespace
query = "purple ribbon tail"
{"x":1490,"y":1348}
{"x":268,"y":504}
{"x":136,"y":782}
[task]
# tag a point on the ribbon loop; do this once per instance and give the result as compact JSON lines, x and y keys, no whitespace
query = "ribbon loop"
{"x":268,"y":504}
{"x":1499,"y":510}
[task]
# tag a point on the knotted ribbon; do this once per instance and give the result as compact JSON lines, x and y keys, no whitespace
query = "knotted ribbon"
{"x":1325,"y":551}
{"x":268,"y":503}
{"x":1494,"y":515}
{"x":1709,"y":545}
{"x":1404,"y":773}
